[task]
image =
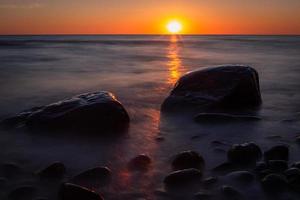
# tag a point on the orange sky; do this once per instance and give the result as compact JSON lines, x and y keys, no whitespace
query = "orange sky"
{"x":149,"y":16}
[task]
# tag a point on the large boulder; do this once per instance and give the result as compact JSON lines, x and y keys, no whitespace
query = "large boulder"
{"x":99,"y":111}
{"x":224,"y":87}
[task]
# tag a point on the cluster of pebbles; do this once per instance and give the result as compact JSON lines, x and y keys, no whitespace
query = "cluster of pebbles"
{"x":246,"y":164}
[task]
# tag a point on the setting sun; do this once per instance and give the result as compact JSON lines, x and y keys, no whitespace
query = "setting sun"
{"x":174,"y":27}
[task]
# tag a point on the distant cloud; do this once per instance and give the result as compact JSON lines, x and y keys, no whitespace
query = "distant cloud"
{"x":11,"y":4}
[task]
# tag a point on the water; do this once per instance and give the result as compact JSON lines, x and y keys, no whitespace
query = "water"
{"x":140,"y":71}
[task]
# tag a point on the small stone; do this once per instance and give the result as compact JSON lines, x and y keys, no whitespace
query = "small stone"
{"x":22,"y":193}
{"x":262,"y":174}
{"x":241,"y":154}
{"x":279,"y":152}
{"x":3,"y":182}
{"x":53,"y":171}
{"x":141,"y":163}
{"x":230,"y":192}
{"x":159,"y":138}
{"x":209,"y":181}
{"x":291,"y":172}
{"x":277,"y":165}
{"x":70,"y":191}
{"x":241,"y":176}
{"x":183,"y":178}
{"x":261,"y":166}
{"x":188,"y":159}
{"x":93,"y":178}
{"x":296,"y":164}
{"x":274,"y":183}
{"x":202,"y":196}
{"x":293,"y":177}
{"x":11,"y":170}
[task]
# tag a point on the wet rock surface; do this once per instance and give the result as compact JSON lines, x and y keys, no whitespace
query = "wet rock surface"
{"x":188,"y":159}
{"x":224,"y":87}
{"x":91,"y":112}
{"x":70,"y":191}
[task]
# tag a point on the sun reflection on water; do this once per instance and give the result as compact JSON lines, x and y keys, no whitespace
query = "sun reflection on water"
{"x":174,"y":63}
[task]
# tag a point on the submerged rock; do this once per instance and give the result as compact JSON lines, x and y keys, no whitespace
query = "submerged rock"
{"x":224,"y":87}
{"x":53,"y":171}
{"x":241,"y":154}
{"x":223,"y":118}
{"x":93,"y":178}
{"x":99,"y":111}
{"x":188,"y":159}
{"x":183,"y":178}
{"x":280,"y":152}
{"x":70,"y":191}
{"x":141,"y":163}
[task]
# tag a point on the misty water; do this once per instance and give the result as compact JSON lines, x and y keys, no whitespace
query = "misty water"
{"x":141,"y":71}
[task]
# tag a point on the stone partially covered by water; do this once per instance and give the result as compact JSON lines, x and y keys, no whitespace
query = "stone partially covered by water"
{"x":99,"y":111}
{"x":224,"y":87}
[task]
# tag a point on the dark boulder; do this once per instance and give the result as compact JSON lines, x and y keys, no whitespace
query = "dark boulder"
{"x":244,"y":154}
{"x":293,"y":177}
{"x":93,"y":178}
{"x":99,"y":111}
{"x":280,"y":152}
{"x":183,"y":178}
{"x":296,"y":164}
{"x":53,"y":171}
{"x":70,"y":191}
{"x":188,"y":159}
{"x":224,"y":87}
{"x":140,"y":163}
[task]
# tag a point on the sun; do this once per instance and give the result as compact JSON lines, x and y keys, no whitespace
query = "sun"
{"x":174,"y":27}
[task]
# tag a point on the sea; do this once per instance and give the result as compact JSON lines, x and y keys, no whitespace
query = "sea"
{"x":141,"y":70}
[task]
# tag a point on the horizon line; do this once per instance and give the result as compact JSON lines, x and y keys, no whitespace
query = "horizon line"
{"x":144,"y":34}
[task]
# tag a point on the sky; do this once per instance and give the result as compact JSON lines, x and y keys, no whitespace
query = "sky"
{"x":149,"y":16}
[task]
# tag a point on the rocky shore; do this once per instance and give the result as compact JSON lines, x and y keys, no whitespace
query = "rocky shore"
{"x":216,"y":95}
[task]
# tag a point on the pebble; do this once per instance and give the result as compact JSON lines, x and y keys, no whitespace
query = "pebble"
{"x":246,"y":153}
{"x":22,"y":193}
{"x":241,"y":176}
{"x":230,"y":192}
{"x":280,"y":152}
{"x":183,"y":178}
{"x":274,"y":183}
{"x":70,"y":191}
{"x":277,"y":165}
{"x":53,"y":171}
{"x":140,"y":163}
{"x":93,"y":178}
{"x":188,"y":159}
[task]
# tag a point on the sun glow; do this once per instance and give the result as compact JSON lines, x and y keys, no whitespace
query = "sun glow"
{"x":174,"y":27}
